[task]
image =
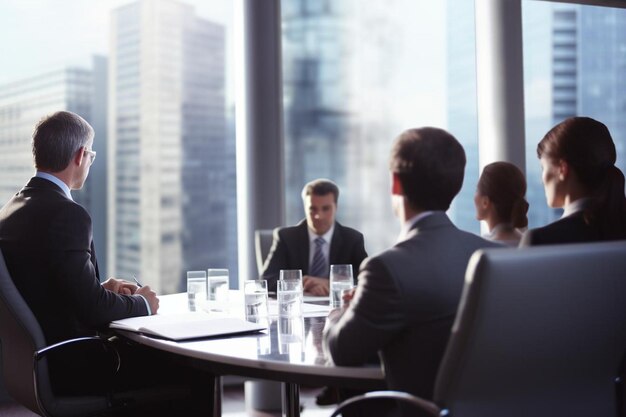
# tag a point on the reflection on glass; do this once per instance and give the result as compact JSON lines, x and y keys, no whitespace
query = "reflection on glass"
{"x":291,"y":337}
{"x":354,"y":78}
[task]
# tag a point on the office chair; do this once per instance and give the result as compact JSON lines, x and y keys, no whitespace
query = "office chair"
{"x":539,"y":332}
{"x":263,"y":239}
{"x":24,"y":363}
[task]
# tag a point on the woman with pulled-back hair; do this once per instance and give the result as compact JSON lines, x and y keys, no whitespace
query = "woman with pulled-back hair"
{"x":579,"y":174}
{"x":500,"y":202}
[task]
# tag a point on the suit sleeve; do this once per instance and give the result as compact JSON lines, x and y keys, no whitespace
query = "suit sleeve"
{"x":74,"y":273}
{"x":276,"y":260}
{"x":358,"y":256}
{"x":371,"y":320}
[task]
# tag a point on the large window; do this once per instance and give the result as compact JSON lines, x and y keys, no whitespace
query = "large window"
{"x":574,"y":65}
{"x":159,"y":94}
{"x":358,"y":73}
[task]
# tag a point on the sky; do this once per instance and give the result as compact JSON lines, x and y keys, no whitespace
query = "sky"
{"x":41,"y":35}
{"x":51,"y":34}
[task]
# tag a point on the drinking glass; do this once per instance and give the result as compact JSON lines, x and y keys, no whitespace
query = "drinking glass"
{"x":291,"y":274}
{"x":341,"y":280}
{"x":196,"y":290}
{"x":218,"y":289}
{"x":290,"y":297}
{"x":255,"y":293}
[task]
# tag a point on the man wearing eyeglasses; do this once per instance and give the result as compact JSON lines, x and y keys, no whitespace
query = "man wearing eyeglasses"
{"x":46,"y":240}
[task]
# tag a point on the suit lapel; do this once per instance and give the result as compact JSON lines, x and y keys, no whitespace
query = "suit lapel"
{"x":303,"y":250}
{"x":335,"y":245}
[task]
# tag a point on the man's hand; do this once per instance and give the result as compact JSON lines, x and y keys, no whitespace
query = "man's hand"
{"x":315,"y":285}
{"x":348,"y":295}
{"x":120,"y":286}
{"x":150,"y":296}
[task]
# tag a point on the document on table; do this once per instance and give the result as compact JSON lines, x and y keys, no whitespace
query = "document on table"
{"x":308,"y":309}
{"x":184,"y":326}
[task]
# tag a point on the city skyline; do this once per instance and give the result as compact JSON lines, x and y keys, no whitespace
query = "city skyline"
{"x":353,"y":79}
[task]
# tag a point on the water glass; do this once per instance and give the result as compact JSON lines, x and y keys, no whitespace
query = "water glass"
{"x":290,"y":297}
{"x":291,"y":274}
{"x":218,"y":289}
{"x":341,"y":280}
{"x":196,"y":290}
{"x":255,"y":293}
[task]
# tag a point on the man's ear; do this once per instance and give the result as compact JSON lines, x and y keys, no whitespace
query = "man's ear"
{"x":78,"y":156}
{"x":396,"y":185}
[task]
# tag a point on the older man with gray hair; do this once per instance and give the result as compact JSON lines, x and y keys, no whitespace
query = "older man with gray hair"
{"x":46,"y":239}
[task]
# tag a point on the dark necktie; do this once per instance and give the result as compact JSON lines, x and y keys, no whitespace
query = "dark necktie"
{"x":319,"y":266}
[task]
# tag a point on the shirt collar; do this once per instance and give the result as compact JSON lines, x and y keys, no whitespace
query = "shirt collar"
{"x":575,"y":206}
{"x":408,"y":225}
{"x":326,"y":236}
{"x":63,"y":186}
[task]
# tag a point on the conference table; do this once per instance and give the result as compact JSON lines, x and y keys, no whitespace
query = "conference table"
{"x":289,"y":351}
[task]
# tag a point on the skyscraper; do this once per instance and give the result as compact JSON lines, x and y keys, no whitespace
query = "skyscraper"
{"x":339,"y":94}
{"x":26,"y":101}
{"x":167,"y":175}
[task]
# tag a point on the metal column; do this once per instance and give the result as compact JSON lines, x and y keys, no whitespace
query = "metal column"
{"x":500,"y":82}
{"x":259,"y":114}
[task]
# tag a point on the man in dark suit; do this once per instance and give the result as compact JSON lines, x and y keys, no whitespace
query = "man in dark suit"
{"x":407,"y":296}
{"x":295,"y":247}
{"x":46,"y":240}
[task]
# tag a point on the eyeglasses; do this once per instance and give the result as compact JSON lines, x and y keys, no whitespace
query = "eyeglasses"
{"x":92,"y":155}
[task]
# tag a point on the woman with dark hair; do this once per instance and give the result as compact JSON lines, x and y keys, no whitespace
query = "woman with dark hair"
{"x":500,"y":202}
{"x":579,"y":174}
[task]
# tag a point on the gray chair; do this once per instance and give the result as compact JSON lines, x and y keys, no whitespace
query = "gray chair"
{"x":263,"y":239}
{"x":539,"y":332}
{"x":24,"y":363}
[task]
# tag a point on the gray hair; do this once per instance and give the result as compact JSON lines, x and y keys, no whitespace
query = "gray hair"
{"x":57,"y":138}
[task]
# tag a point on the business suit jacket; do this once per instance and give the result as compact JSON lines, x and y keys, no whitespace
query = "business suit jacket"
{"x":405,"y":304}
{"x":46,"y":239}
{"x":290,"y":250}
{"x":570,"y":229}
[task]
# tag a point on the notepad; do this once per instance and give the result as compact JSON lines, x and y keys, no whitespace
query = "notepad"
{"x":185,"y":326}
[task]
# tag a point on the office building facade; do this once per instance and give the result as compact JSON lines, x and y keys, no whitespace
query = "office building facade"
{"x":167,"y":175}
{"x":24,"y":102}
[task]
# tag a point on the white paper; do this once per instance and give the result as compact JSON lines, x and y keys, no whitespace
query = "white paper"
{"x":186,"y":325}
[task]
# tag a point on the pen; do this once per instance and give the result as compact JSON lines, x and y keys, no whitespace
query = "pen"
{"x":136,"y":281}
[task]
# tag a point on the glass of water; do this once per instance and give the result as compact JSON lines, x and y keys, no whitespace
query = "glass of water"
{"x":290,"y":274}
{"x":255,"y":293}
{"x":196,"y":290}
{"x":290,"y":297}
{"x":218,"y":289}
{"x":341,"y":280}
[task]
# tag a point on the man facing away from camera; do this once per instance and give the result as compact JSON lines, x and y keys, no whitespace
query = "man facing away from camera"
{"x":407,"y":296}
{"x":46,"y":240}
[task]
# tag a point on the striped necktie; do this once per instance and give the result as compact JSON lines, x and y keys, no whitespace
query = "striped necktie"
{"x":319,"y":266}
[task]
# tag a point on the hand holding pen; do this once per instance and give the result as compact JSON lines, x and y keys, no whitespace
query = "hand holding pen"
{"x":137,"y":281}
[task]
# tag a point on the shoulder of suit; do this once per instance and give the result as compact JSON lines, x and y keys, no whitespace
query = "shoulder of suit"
{"x":289,"y":231}
{"x":347,"y":230}
{"x":559,"y":231}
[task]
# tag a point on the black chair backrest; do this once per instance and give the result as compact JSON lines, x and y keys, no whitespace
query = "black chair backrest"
{"x":263,"y":240}
{"x":539,"y":332}
{"x":21,"y":337}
